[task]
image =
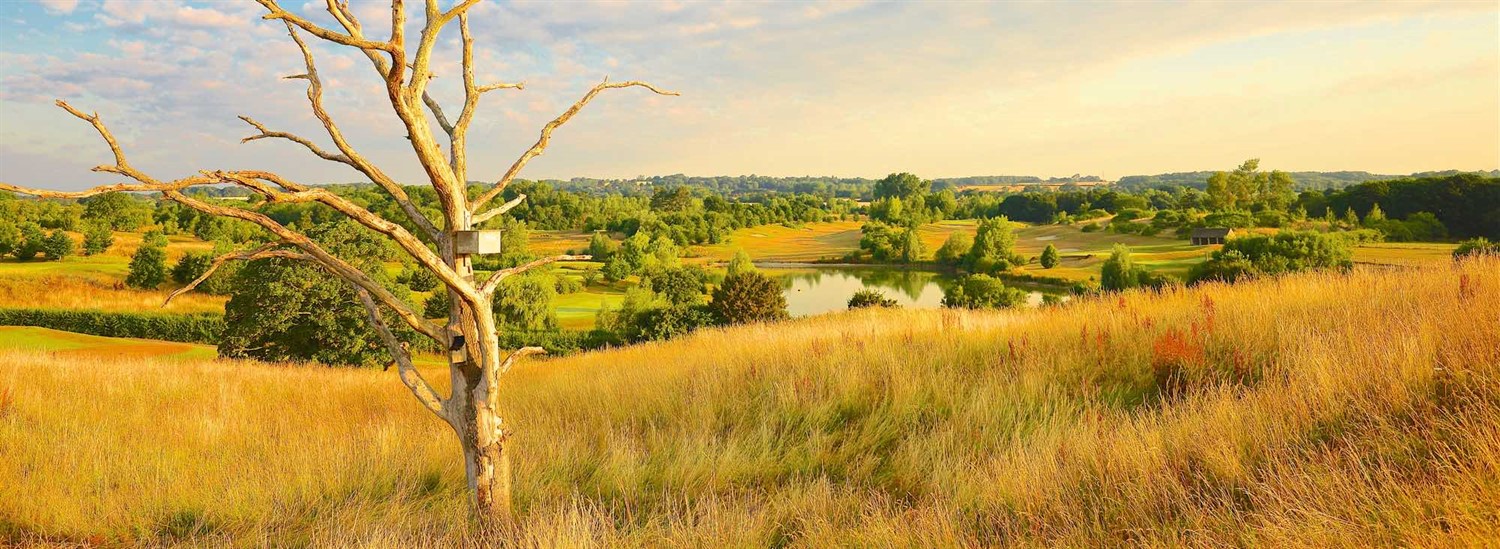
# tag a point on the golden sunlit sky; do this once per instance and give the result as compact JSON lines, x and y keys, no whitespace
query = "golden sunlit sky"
{"x":941,"y":89}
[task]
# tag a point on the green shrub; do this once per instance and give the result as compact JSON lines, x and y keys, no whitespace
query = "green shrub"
{"x":97,"y":238}
{"x":1285,"y":252}
{"x":148,"y":267}
{"x":57,"y":245}
{"x":31,"y":241}
{"x":418,"y":279}
{"x":1050,"y":258}
{"x":190,"y":267}
{"x":748,"y":297}
{"x":1476,"y":247}
{"x":871,"y":298}
{"x":982,"y":292}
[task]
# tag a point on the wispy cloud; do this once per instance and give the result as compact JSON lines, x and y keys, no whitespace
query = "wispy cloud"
{"x":820,"y":87}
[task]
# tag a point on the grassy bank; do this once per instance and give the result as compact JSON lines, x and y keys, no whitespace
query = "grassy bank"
{"x":1315,"y":410}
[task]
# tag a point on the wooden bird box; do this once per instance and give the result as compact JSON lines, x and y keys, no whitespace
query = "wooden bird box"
{"x":476,"y":242}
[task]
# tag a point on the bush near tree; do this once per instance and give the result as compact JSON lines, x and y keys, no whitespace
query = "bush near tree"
{"x":97,"y":238}
{"x":10,"y":237}
{"x":1050,"y":258}
{"x":748,"y":297}
{"x":190,"y":267}
{"x":57,"y":245}
{"x":148,"y":267}
{"x":31,"y":242}
{"x":1475,"y":247}
{"x":871,"y":298}
{"x":953,"y":250}
{"x":981,"y":291}
{"x":1284,"y":252}
{"x":1120,"y":272}
{"x":994,"y":247}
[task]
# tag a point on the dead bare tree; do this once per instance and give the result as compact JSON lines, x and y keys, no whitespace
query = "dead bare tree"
{"x":472,"y":407}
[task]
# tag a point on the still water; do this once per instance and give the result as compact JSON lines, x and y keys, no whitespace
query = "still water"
{"x":817,"y":290}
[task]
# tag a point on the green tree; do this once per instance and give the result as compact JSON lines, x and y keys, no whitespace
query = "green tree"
{"x":119,"y":211}
{"x":617,"y":268}
{"x":901,"y":185}
{"x":31,"y":242}
{"x":911,"y":247}
{"x":993,"y":248}
{"x":1050,"y":257}
{"x":740,"y":264}
{"x":57,"y":245}
{"x":601,"y":246}
{"x":748,"y":297}
{"x":97,"y":238}
{"x":154,"y":238}
{"x":678,"y":285}
{"x":285,"y":310}
{"x":1284,"y":252}
{"x":982,"y":292}
{"x":1375,"y":217}
{"x":525,"y":302}
{"x":10,"y":237}
{"x":190,"y":267}
{"x":1119,"y":272}
{"x":148,"y":267}
{"x":953,"y":250}
{"x":871,"y":298}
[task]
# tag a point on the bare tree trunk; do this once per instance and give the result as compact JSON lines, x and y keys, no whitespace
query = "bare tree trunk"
{"x":476,"y":363}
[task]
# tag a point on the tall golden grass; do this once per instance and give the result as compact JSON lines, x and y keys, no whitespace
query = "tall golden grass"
{"x":59,"y":291}
{"x":1315,"y":410}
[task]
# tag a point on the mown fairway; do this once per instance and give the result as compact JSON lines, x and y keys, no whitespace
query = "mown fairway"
{"x":1316,"y":410}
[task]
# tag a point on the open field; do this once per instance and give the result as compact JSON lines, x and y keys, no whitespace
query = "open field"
{"x":1313,"y":410}
{"x":78,"y":346}
{"x":804,"y":243}
{"x":1404,"y":253}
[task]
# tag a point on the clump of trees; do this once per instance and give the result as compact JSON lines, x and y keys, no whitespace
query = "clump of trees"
{"x":57,"y":245}
{"x":980,"y":291}
{"x":871,"y":298}
{"x":148,"y":267}
{"x":1475,"y":247}
{"x":748,"y":297}
{"x":1285,"y":252}
{"x":886,"y":243}
{"x":669,"y":302}
{"x":1120,"y":272}
{"x":97,"y":238}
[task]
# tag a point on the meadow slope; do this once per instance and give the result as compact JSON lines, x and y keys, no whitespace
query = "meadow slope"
{"x":1314,"y":410}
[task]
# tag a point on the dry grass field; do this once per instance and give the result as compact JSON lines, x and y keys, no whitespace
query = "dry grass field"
{"x":1315,"y":410}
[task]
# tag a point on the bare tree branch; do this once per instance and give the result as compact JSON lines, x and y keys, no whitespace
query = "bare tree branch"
{"x":481,"y":218}
{"x":494,"y":280}
{"x":172,"y":190}
{"x":302,"y":193}
{"x":541,"y":142}
{"x":350,"y":156}
{"x":404,"y":367}
{"x":265,"y":133}
{"x":264,"y":251}
{"x":276,"y":12}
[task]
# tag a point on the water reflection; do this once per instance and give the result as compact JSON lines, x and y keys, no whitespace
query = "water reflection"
{"x":817,"y":290}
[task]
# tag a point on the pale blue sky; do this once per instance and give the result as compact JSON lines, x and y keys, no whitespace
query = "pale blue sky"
{"x":786,"y":88}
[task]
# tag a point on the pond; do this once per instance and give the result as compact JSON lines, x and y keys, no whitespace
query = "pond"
{"x":812,"y":290}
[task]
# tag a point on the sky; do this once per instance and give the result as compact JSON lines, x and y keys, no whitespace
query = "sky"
{"x":940,"y":89}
